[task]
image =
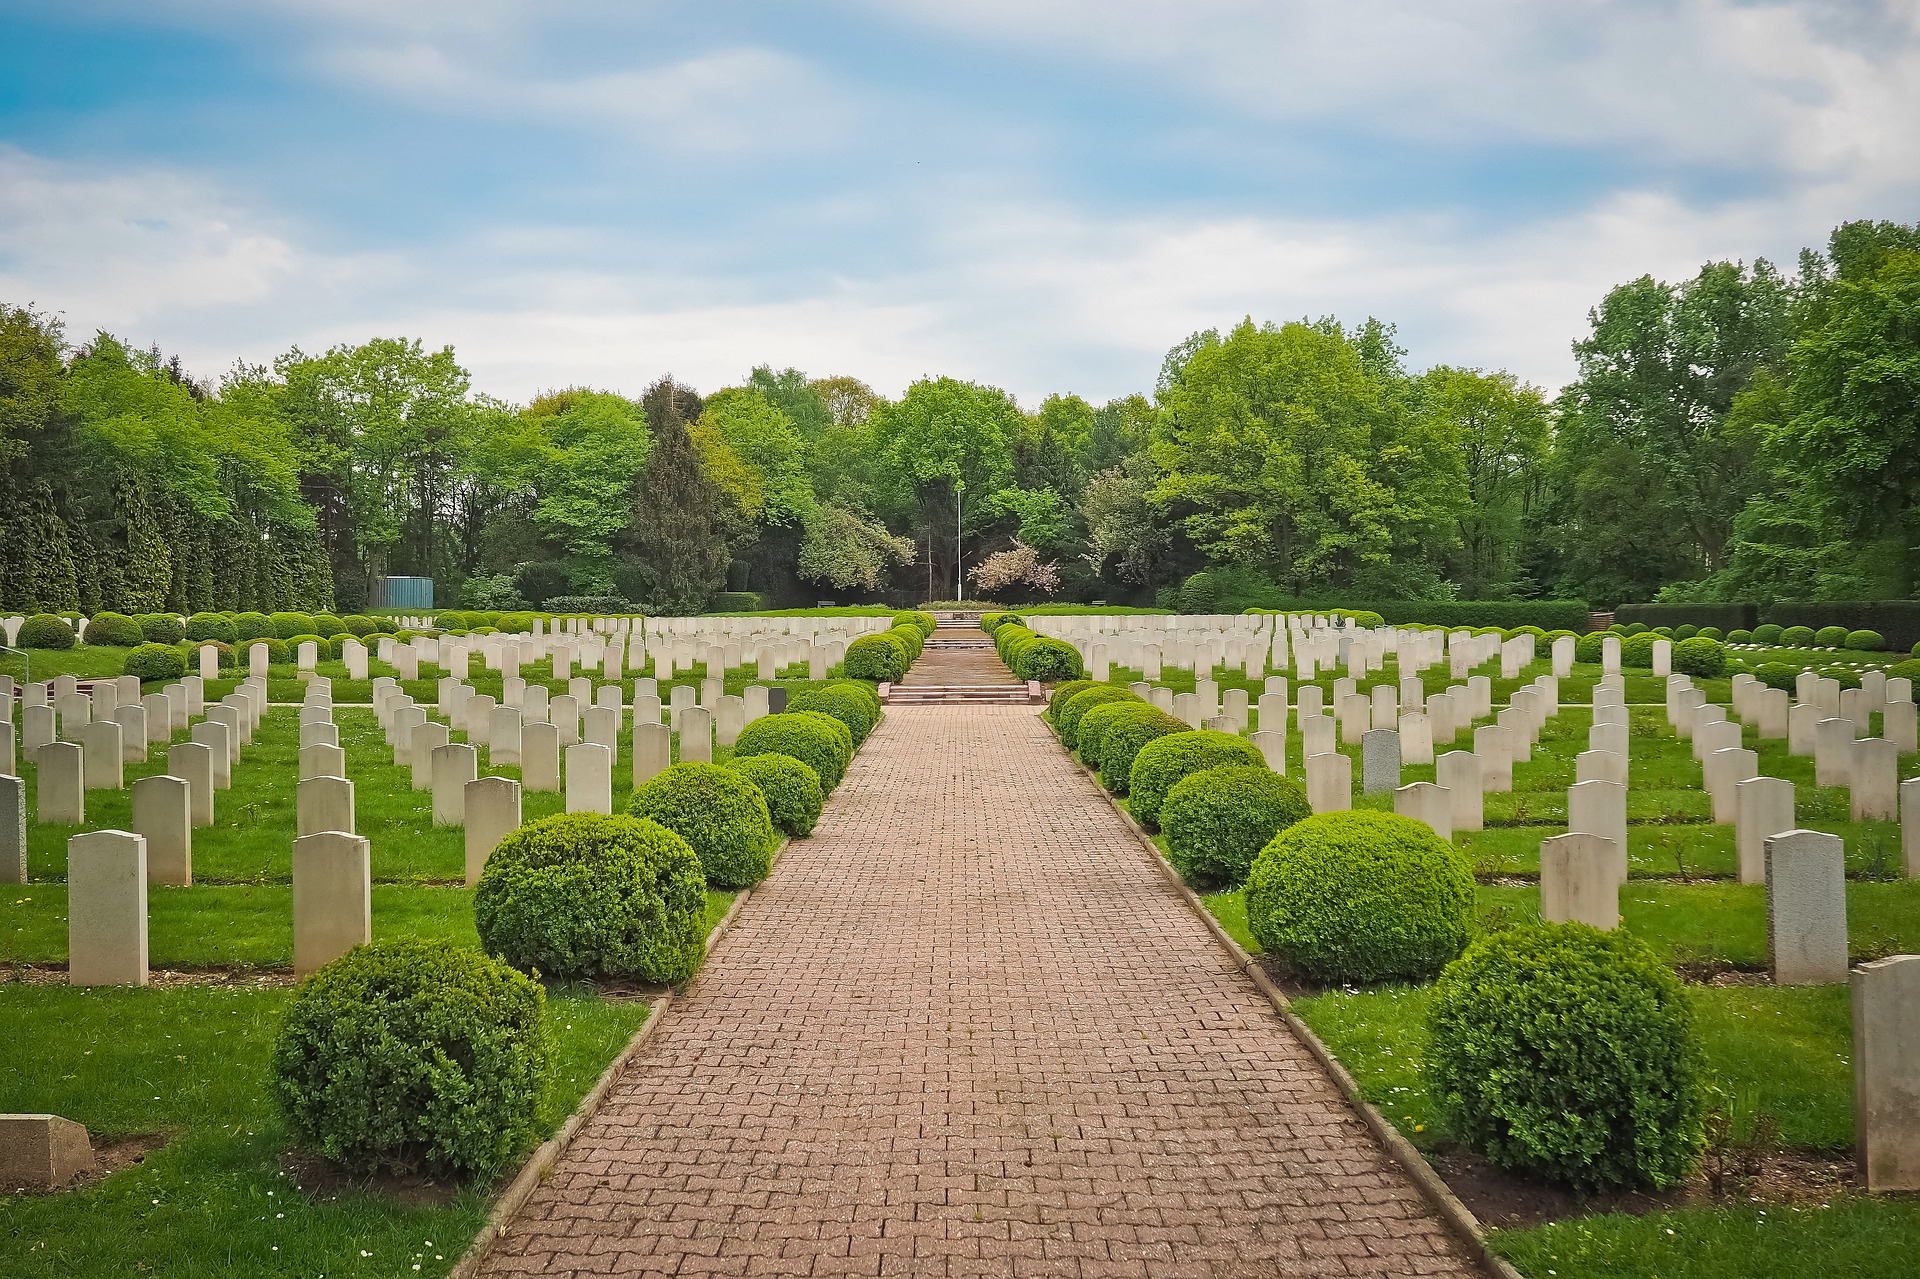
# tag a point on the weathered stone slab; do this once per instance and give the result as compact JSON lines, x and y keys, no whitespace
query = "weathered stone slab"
{"x":1329,"y":782}
{"x":1806,"y":908}
{"x":193,"y":762}
{"x":1429,"y":803}
{"x":589,"y":778}
{"x":107,"y":909}
{"x":492,"y":813}
{"x":1458,"y":772}
{"x":42,"y":1152}
{"x":332,"y":897}
{"x":163,"y":816}
{"x":1578,"y":880}
{"x":1886,"y":1072}
{"x":1762,"y":808}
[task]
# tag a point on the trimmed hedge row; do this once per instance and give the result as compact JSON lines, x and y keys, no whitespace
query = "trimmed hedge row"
{"x":1548,"y":615}
{"x":1035,"y":657}
{"x":1895,"y":622}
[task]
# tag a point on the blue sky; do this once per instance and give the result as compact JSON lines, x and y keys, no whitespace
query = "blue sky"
{"x":1041,"y":194}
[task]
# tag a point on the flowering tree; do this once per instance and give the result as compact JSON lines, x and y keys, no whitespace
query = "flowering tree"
{"x":1018,"y":566}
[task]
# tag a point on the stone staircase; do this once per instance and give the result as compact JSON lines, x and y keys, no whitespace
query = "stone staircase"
{"x":1028,"y":694}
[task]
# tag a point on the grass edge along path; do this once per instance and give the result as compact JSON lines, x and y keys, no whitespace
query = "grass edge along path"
{"x":1869,"y":1236}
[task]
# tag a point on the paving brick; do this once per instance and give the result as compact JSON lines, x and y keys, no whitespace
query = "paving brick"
{"x":968,"y":1029}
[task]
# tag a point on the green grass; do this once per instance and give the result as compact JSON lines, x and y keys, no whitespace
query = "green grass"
{"x":1685,"y":923}
{"x":1855,"y":1237}
{"x":218,"y":1198}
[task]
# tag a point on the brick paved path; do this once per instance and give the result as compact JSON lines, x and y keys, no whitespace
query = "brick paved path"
{"x":968,"y":1030}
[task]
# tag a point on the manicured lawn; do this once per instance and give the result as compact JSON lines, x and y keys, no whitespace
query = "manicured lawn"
{"x":219,"y":1199}
{"x":1686,"y":923}
{"x":241,"y":925}
{"x":1855,"y":1237}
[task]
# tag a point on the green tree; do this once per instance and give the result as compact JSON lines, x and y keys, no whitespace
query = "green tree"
{"x":945,"y":449}
{"x":678,"y":556}
{"x":1497,"y":429}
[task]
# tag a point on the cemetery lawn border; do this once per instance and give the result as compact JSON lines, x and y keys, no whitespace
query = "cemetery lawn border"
{"x":1458,"y":1217}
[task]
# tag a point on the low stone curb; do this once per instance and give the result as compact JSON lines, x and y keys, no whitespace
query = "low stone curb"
{"x":540,"y":1164}
{"x":1451,"y":1210}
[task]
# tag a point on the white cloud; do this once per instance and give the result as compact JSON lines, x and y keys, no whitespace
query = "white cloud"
{"x":1031,"y":296}
{"x":1714,"y":82}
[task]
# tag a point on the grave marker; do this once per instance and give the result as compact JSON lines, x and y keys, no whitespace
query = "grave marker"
{"x":332,"y":897}
{"x":1806,"y":908}
{"x":106,"y":909}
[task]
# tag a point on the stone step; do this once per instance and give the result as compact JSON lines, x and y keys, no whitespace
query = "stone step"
{"x":1006,"y":694}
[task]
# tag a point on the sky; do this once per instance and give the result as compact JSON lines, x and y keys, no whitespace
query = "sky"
{"x":1043,"y":195}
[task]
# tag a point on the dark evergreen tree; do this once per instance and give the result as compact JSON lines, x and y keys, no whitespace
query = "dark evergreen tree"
{"x":677,"y":557}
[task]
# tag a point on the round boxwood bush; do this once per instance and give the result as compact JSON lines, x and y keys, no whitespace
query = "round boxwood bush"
{"x":113,"y":630}
{"x":1218,"y":819}
{"x":1710,"y":632}
{"x":251,"y":626}
{"x":361,"y":626}
{"x":155,"y":661}
{"x":1686,"y":630}
{"x":1797,"y":637}
{"x":1094,"y":725}
{"x":1586,"y":649}
{"x":1830,"y":637}
{"x":160,"y":628}
{"x":45,"y":630}
{"x":879,"y":658}
{"x":720,"y":812}
{"x":1767,"y":633}
{"x":1561,"y":1050}
{"x":839,"y":701}
{"x":1061,"y":692}
{"x":1636,"y":651}
{"x":1738,"y":636}
{"x":791,"y":789}
{"x":1777,"y":675}
{"x":326,"y":625}
{"x":1865,"y":641}
{"x":1360,"y":896}
{"x":821,"y":742}
{"x":588,"y":895}
{"x":414,"y":1055}
{"x":216,"y":628}
{"x":1130,"y":731}
{"x":1076,"y":707}
{"x":1163,"y":761}
{"x":1700,"y":656}
{"x":1048,"y":660}
{"x":1634,"y":628}
{"x":288,"y":625}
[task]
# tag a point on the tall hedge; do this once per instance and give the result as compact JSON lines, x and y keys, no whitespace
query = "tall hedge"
{"x":1728,"y":617}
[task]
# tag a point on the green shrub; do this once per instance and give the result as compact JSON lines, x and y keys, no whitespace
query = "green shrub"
{"x":1048,"y":660}
{"x":1061,"y":692}
{"x":1586,"y":649}
{"x":1632,"y":628}
{"x":1709,"y":632}
{"x":414,"y":1055}
{"x":1768,"y":633}
{"x":1865,"y":641}
{"x":155,"y":661}
{"x":1218,"y":819}
{"x":791,"y":789}
{"x":251,"y":626}
{"x":1777,"y":675}
{"x":879,"y":658}
{"x":1700,"y":656}
{"x":1138,"y":724}
{"x":718,"y":811}
{"x":45,"y":630}
{"x":1561,"y":1050}
{"x":925,"y":623}
{"x":160,"y":628}
{"x":1163,"y":761}
{"x":1636,"y":651}
{"x":841,"y":702}
{"x":1360,"y":896}
{"x":216,"y":627}
{"x":1199,"y":594}
{"x":288,"y":625}
{"x":1093,"y":728}
{"x":1797,"y":637}
{"x":361,"y":626}
{"x":1080,"y":703}
{"x":1740,"y":637}
{"x":588,"y":895}
{"x":113,"y":630}
{"x":821,"y":742}
{"x":326,"y":626}
{"x":1687,"y":631}
{"x":1830,"y":637}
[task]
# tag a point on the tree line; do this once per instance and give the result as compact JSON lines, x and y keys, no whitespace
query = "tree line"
{"x":1745,"y":434}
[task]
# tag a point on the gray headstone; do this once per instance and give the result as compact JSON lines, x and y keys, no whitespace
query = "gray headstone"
{"x":1807,"y":908}
{"x":1379,"y":761}
{"x":1886,"y":1072}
